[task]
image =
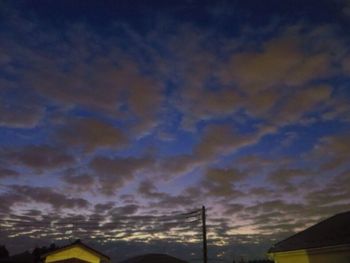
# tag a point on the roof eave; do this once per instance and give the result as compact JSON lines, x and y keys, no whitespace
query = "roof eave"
{"x":312,"y":250}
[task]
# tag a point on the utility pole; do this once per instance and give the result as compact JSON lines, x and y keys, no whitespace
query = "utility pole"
{"x":204,"y":229}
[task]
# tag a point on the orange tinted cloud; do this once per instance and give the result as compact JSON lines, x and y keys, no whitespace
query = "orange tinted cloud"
{"x":91,"y":134}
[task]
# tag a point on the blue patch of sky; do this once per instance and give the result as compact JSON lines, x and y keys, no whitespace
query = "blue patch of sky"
{"x":182,"y":144}
{"x":97,"y":14}
{"x":306,"y":137}
{"x":239,"y":120}
{"x":170,"y":117}
{"x":109,"y":153}
{"x":213,"y":84}
{"x":144,"y":15}
{"x":13,"y":137}
{"x":273,"y":146}
{"x":30,"y":177}
{"x":82,"y":112}
{"x":324,"y":11}
{"x":341,"y":86}
{"x":15,"y":96}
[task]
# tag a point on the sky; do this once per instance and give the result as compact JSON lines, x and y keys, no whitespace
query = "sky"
{"x":119,"y":116}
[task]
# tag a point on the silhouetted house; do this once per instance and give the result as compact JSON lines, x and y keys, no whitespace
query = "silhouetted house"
{"x":154,"y":258}
{"x":325,"y":242}
{"x":76,"y":252}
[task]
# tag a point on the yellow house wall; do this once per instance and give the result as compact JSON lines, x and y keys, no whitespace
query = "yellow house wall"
{"x":341,"y":257}
{"x":309,"y":257}
{"x":299,"y":258}
{"x":74,"y":252}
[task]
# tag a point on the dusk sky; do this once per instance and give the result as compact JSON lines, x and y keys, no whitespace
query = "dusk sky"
{"x":115,"y":111}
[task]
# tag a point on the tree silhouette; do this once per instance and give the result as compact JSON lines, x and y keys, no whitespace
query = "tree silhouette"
{"x":260,"y":261}
{"x":4,"y":252}
{"x":52,"y":247}
{"x":38,"y":251}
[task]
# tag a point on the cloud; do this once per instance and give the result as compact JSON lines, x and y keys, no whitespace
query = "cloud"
{"x":114,"y":173}
{"x":82,"y":70}
{"x":220,"y":182}
{"x":79,"y":182}
{"x":206,"y":88}
{"x":38,"y":158}
{"x":216,"y":140}
{"x":189,"y":162}
{"x":254,"y":71}
{"x":346,"y":8}
{"x":280,"y":61}
{"x":233,"y":208}
{"x":46,"y":195}
{"x":104,"y":207}
{"x":258,"y":78}
{"x":285,"y":176}
{"x":255,"y":163}
{"x":220,"y":140}
{"x":301,"y":102}
{"x":268,"y":213}
{"x":346,"y":63}
{"x":110,"y":84}
{"x":339,"y":110}
{"x":91,"y":134}
{"x":263,"y":192}
{"x":188,"y":197}
{"x":333,"y":151}
{"x":195,"y":67}
{"x":148,"y":190}
{"x":20,"y":115}
{"x":334,"y":192}
{"x":126,"y":210}
{"x":8,"y":199}
{"x":8,"y":173}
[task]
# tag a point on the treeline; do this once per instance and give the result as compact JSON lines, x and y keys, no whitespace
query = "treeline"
{"x":37,"y":252}
{"x":4,"y":253}
{"x":260,"y":261}
{"x":253,"y":261}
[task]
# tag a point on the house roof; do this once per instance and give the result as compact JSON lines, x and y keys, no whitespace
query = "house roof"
{"x":80,"y":244}
{"x":333,"y":231}
{"x":154,"y":258}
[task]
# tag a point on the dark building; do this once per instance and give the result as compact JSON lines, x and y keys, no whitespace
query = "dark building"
{"x":325,"y":242}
